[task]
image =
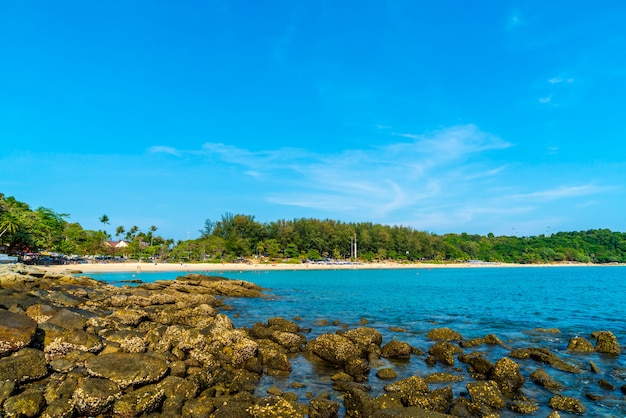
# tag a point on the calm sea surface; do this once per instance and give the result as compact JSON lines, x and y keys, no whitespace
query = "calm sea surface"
{"x":509,"y":302}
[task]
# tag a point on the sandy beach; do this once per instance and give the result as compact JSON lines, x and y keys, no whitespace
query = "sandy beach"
{"x":214,"y":267}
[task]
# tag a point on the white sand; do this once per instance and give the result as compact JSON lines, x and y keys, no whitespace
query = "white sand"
{"x":210,"y":267}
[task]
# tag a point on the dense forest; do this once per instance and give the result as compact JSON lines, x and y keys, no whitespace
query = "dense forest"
{"x":240,"y":237}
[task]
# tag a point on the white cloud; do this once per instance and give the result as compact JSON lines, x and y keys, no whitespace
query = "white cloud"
{"x":559,"y":80}
{"x":164,"y":150}
{"x":563,"y":192}
{"x":545,"y":100}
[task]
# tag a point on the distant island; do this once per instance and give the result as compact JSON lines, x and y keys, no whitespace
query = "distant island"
{"x":43,"y":236}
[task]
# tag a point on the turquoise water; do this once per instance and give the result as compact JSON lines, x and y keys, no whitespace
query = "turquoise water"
{"x":509,"y":302}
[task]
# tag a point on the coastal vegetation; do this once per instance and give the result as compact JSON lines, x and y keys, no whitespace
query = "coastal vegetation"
{"x":238,"y":237}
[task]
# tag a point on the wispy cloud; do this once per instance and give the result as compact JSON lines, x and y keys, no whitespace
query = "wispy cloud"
{"x":160,"y":149}
{"x":379,"y":180}
{"x":559,"y":80}
{"x":545,"y":100}
{"x":563,"y":192}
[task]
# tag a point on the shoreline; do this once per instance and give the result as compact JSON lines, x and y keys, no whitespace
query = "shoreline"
{"x":131,"y":267}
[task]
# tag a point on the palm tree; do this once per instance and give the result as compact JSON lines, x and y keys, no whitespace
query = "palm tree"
{"x":152,"y":231}
{"x":105,"y":220}
{"x":8,"y":224}
{"x":119,"y":231}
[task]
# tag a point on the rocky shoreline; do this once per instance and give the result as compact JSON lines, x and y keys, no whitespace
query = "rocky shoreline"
{"x":73,"y":346}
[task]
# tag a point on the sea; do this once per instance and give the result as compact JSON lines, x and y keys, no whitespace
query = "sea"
{"x":524,"y":307}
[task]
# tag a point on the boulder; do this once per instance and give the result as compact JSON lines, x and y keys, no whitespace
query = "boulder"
{"x":334,"y":348}
{"x":444,"y":334}
{"x":41,"y":312}
{"x":438,"y":400}
{"x":29,"y":403}
{"x":541,"y":378}
{"x":274,"y":406}
{"x":274,"y":357}
{"x":143,"y":400}
{"x":544,"y":355}
{"x":363,"y":336}
{"x":23,"y":366}
{"x":443,"y":377}
{"x":127,"y":369}
{"x":489,"y":339}
{"x":486,"y":393}
{"x":358,"y":403}
{"x":395,"y":349}
{"x":59,"y":341}
{"x":567,"y":404}
{"x":386,"y":373}
{"x":580,"y":345}
{"x":95,"y":396}
{"x":606,"y":342}
{"x":16,"y":331}
{"x":408,"y":388}
{"x":444,"y":352}
{"x":320,"y":407}
{"x":506,"y":373}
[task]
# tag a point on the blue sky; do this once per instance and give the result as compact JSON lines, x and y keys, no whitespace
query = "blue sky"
{"x":447,"y":116}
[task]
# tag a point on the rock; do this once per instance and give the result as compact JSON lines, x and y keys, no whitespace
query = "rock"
{"x":221,"y":285}
{"x":395,"y":349}
{"x":282,"y":324}
{"x":605,"y":384}
{"x":25,"y":365}
{"x":40,"y":312}
{"x":127,"y":369}
{"x":364,"y":337}
{"x":408,"y":412}
{"x":567,"y":404}
{"x":358,"y":368}
{"x":29,"y":403}
{"x":486,"y":393}
{"x":541,"y":378}
{"x":293,"y":342}
{"x":478,"y":363}
{"x":358,"y":404}
{"x":334,"y":348}
{"x":138,"y":402}
{"x":16,"y":331}
{"x":95,"y":396}
{"x":606,"y":343}
{"x":59,"y":341}
{"x":131,"y":317}
{"x":274,"y":357}
{"x":580,"y":345}
{"x":67,"y":319}
{"x":386,"y":374}
{"x":490,"y":339}
{"x":545,"y":356}
{"x":442,"y":377}
{"x":438,"y":400}
{"x":444,"y":334}
{"x":199,"y":407}
{"x":320,"y":407}
{"x":507,"y":375}
{"x":523,"y":406}
{"x":408,"y":389}
{"x":6,"y":389}
{"x":234,"y":406}
{"x":274,"y":406}
{"x":444,"y":352}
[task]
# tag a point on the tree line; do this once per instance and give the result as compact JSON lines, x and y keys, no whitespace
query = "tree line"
{"x":239,"y":237}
